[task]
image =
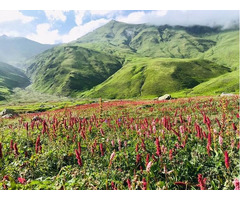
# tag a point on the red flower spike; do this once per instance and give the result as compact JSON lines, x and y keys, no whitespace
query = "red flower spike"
{"x":11,"y":144}
{"x":129,"y":184}
{"x":201,"y":182}
{"x":144,"y":184}
{"x":226,"y":159}
{"x":158,"y":147}
{"x":15,"y":149}
{"x":101,"y":149}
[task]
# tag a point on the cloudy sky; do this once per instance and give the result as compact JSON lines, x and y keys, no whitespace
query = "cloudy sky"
{"x":61,"y":26}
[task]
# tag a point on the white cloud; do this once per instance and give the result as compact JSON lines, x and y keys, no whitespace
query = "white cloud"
{"x":14,"y":15}
{"x":54,"y":15}
{"x":78,"y":31}
{"x":140,"y":17}
{"x":79,"y":16}
{"x":45,"y":35}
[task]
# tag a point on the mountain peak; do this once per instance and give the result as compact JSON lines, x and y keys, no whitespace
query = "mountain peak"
{"x":4,"y":36}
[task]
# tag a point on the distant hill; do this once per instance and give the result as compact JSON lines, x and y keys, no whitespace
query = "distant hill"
{"x":120,"y":60}
{"x":16,"y":50}
{"x":11,"y":77}
{"x":67,"y":69}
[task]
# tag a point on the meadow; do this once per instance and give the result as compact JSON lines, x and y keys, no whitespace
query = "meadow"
{"x":180,"y":144}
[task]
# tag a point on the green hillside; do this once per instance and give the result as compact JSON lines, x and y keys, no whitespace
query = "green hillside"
{"x":226,"y":50}
{"x":66,"y":69}
{"x":11,"y":77}
{"x":228,"y":82}
{"x":120,"y":60}
{"x":147,"y":40}
{"x":145,"y":77}
{"x":15,"y":50}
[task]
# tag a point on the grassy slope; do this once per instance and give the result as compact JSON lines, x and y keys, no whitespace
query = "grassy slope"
{"x":145,"y":77}
{"x":11,"y":77}
{"x":226,"y":51}
{"x":69,"y":68}
{"x":228,"y":82}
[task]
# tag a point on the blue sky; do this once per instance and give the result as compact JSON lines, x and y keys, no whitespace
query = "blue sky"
{"x":62,"y":26}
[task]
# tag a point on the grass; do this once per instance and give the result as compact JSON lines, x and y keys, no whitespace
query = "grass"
{"x":31,"y":101}
{"x":69,"y":68}
{"x":145,"y":77}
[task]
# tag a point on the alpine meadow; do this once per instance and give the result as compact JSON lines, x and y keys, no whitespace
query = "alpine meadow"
{"x":109,"y":103}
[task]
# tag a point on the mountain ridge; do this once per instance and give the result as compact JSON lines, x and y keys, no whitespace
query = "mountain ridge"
{"x":211,"y":47}
{"x":16,"y":50}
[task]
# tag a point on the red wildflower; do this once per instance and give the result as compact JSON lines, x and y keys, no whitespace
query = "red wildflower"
{"x":147,"y":159}
{"x":143,"y":145}
{"x":11,"y":144}
{"x":234,"y":127}
{"x":138,"y":159}
{"x":209,"y":143}
{"x":15,"y":149}
{"x":101,"y":149}
{"x":129,"y":184}
{"x":111,"y":157}
{"x":37,"y":144}
{"x":170,"y":154}
{"x":6,"y":178}
{"x":136,"y":148}
{"x":26,"y":126}
{"x":236,"y":184}
{"x":144,"y":184}
{"x":78,"y":157}
{"x":21,"y":180}
{"x":201,"y":182}
{"x":119,"y":145}
{"x":220,"y":140}
{"x":149,"y":166}
{"x":158,"y":147}
{"x":113,"y":186}
{"x":226,"y":159}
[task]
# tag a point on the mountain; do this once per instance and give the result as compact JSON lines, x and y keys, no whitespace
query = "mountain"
{"x":70,"y":68}
{"x":149,"y":40}
{"x":137,"y":61}
{"x":16,"y":50}
{"x":11,"y":77}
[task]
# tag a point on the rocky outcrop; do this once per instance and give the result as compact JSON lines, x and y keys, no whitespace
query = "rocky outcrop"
{"x":165,"y":97}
